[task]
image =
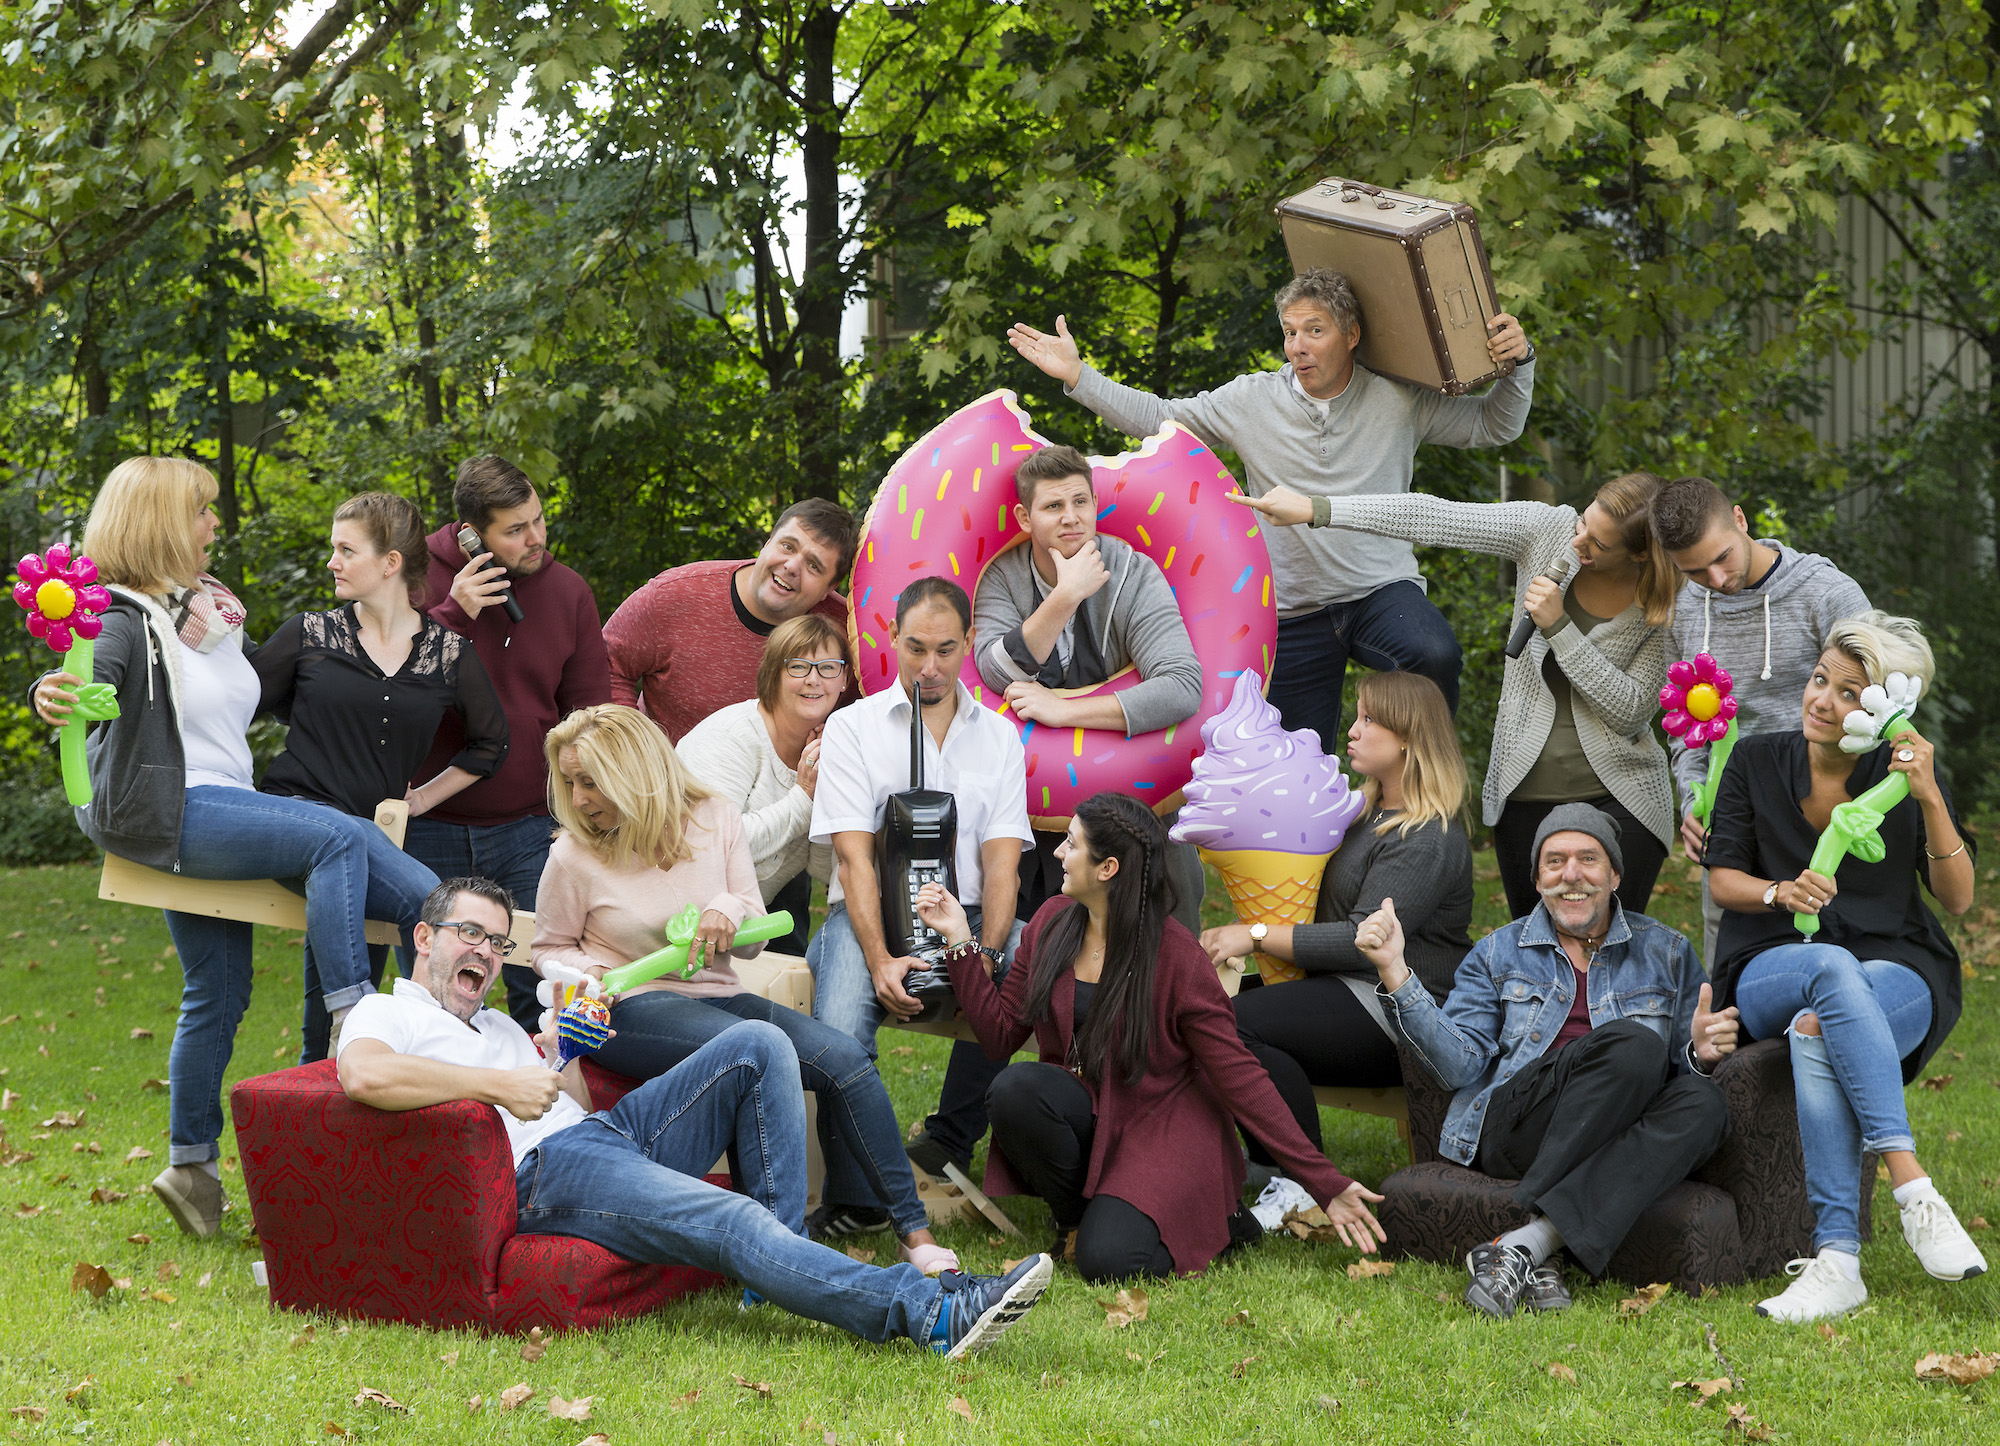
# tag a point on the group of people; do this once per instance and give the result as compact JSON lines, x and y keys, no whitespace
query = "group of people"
{"x":708,"y":746}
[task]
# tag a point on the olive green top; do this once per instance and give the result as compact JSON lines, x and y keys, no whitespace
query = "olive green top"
{"x":1562,"y":774}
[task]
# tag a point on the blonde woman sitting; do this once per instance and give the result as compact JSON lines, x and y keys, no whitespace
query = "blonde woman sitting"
{"x":640,"y":841}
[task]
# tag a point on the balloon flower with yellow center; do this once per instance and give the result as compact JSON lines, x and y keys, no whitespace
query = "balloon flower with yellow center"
{"x":1701,"y":712}
{"x":62,"y":598}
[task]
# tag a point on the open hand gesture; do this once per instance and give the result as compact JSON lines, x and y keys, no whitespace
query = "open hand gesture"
{"x":1352,"y":1219}
{"x":1056,"y":355}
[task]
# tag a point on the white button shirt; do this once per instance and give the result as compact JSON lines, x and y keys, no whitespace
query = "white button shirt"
{"x":864,"y":757}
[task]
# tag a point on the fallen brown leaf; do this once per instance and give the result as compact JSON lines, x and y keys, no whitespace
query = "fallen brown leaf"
{"x":449,"y":1358}
{"x":1977,"y":1222}
{"x":106,"y":1197}
{"x":685,"y":1400}
{"x":1362,"y":1269}
{"x":168,"y":1270}
{"x":515,"y":1395}
{"x":1748,"y":1426}
{"x":577,"y":1410}
{"x":121,"y":1282}
{"x":140,"y":1033}
{"x":81,"y":1388}
{"x":1329,"y":1404}
{"x":93,"y":1278}
{"x":206,"y":1277}
{"x":1239,"y":1318}
{"x":1939,"y":1082}
{"x":1051,"y":1380}
{"x":156,"y":1086}
{"x":64,"y":1120}
{"x":369,"y":1396}
{"x":962,"y":1406}
{"x":1648,"y":1297}
{"x":1124,"y":1308}
{"x":1703,"y":1390}
{"x":598,"y":1438}
{"x":1242,"y":1367}
{"x":474,"y":1405}
{"x":1007,"y":1266}
{"x":1959,"y":1370}
{"x":855,"y":1252}
{"x":1562,"y":1372}
{"x":996,"y":1240}
{"x":761,"y":1389}
{"x":28,"y":1212}
{"x":333,"y":1428}
{"x":535,"y":1347}
{"x":139,"y":1238}
{"x":8,"y":1099}
{"x":138,"y":1152}
{"x":304,"y":1337}
{"x":29,"y":1413}
{"x":162,"y":1296}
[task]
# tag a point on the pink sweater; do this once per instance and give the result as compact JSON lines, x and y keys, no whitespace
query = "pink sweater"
{"x":589,"y":915}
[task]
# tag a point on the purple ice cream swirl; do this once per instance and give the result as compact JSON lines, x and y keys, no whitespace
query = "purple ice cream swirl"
{"x":1257,"y":786}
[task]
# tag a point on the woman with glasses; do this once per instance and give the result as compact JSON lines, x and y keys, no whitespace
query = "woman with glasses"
{"x":642,"y":840}
{"x":763,"y":755}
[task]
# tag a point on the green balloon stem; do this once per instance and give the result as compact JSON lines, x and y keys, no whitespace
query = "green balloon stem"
{"x":1718,"y":759}
{"x":674,"y":958}
{"x":1854,"y":828}
{"x":75,"y":767}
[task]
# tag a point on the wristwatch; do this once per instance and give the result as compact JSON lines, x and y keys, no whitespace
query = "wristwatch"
{"x":1771,"y":897}
{"x":994,"y":954}
{"x":1258,"y":931}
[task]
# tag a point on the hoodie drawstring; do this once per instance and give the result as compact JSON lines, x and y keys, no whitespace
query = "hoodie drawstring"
{"x":1766,"y":674}
{"x":1708,"y":626}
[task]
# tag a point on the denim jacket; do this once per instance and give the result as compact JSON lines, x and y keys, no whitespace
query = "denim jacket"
{"x":1513,"y":993}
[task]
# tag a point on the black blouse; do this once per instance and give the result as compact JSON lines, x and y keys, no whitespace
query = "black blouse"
{"x":1759,"y":828}
{"x":357,"y":736}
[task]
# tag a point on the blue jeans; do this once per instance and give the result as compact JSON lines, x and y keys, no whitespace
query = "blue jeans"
{"x":1395,"y":626}
{"x":658,"y":1029}
{"x":844,"y":997}
{"x":395,"y":893}
{"x":629,"y":1179}
{"x":511,"y":854}
{"x":234,"y":833}
{"x":1849,"y":1078}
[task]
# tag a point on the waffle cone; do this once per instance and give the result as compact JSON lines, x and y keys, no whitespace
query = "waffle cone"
{"x":1271,"y":886}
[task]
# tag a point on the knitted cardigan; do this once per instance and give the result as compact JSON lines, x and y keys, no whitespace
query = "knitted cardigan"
{"x":1615,"y":672}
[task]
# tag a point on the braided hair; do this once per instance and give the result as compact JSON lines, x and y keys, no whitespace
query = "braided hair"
{"x":1140,"y":896}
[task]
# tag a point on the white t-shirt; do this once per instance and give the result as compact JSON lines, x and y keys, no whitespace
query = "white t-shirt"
{"x":411,"y":1022}
{"x":1066,"y":639}
{"x":1322,"y":405}
{"x":219,"y":693}
{"x":864,"y":757}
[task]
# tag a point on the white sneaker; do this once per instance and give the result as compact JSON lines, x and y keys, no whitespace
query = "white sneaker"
{"x":1280,"y":1196}
{"x":1821,"y":1290}
{"x":1943,"y":1248}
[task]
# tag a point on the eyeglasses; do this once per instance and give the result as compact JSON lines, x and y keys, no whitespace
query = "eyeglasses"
{"x":474,"y":935}
{"x":825,"y":667}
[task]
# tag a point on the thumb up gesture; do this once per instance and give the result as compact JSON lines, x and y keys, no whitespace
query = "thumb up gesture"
{"x":1380,"y":940}
{"x":1714,"y":1034}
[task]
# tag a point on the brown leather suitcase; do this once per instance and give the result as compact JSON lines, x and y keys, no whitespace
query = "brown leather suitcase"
{"x":1419,"y":271}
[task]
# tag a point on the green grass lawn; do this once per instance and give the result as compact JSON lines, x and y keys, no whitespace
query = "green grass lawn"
{"x":192,"y":1353}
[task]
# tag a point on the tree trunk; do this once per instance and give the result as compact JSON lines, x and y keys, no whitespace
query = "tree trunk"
{"x":427,"y":362}
{"x":821,"y":292}
{"x":225,"y":438}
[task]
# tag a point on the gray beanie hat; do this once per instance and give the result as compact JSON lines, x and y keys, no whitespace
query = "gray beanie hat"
{"x":1579,"y":818}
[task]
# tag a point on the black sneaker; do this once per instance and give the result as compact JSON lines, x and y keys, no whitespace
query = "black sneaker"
{"x":1545,"y":1289}
{"x":931,"y":1157}
{"x":833,"y":1222}
{"x":1499,"y":1275}
{"x":978,"y":1309}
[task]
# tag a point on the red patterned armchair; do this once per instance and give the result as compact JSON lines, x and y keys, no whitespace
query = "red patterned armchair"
{"x":410,"y":1216}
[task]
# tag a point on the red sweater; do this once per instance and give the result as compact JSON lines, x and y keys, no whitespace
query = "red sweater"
{"x":1166,"y":1145}
{"x":559,"y":667}
{"x":680,"y":643}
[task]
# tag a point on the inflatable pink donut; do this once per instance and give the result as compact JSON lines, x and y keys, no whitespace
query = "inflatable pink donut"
{"x":947,"y":508}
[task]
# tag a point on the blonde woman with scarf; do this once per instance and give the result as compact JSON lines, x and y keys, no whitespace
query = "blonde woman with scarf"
{"x":171,"y":788}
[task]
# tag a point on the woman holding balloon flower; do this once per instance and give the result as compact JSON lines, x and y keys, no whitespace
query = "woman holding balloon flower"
{"x":1869,"y":991}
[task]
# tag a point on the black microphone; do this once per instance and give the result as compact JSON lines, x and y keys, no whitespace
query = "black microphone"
{"x":1525,"y":629}
{"x":508,"y":601}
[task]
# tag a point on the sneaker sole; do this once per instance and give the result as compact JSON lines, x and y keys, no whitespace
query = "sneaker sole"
{"x":1967,"y":1274}
{"x":844,"y":1227}
{"x":1005,"y":1311}
{"x":1480,"y":1301}
{"x":185,"y":1213}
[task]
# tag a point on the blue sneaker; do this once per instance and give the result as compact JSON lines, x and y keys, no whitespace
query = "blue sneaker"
{"x":977,"y":1309}
{"x":751,"y":1300}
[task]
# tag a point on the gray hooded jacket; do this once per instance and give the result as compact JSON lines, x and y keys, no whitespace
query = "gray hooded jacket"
{"x":1132,"y":620}
{"x":1768,"y":637}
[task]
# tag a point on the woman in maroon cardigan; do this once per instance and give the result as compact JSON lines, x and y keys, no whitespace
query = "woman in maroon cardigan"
{"x":1126,"y":1125}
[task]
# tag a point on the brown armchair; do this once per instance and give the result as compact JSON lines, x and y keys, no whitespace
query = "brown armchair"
{"x":1740,"y":1217}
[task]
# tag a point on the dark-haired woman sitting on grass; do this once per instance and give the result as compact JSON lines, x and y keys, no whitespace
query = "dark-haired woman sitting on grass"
{"x":1126,"y":1125}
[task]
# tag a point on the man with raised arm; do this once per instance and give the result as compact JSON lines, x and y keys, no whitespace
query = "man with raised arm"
{"x":970,"y":752}
{"x":1579,"y":1040}
{"x":1324,"y":425}
{"x":630,"y":1178}
{"x":499,"y":827}
{"x":1760,"y":609}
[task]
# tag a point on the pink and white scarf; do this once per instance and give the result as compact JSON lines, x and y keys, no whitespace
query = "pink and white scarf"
{"x":205,"y":614}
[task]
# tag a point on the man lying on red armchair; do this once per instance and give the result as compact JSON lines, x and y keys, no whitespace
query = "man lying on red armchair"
{"x":630,"y":1178}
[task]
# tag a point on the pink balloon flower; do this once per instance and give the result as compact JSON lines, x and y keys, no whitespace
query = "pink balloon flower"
{"x":1697,"y":701}
{"x":61,"y":597}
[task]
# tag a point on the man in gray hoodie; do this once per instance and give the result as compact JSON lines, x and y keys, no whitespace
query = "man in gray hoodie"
{"x":1326,"y":426}
{"x":1758,"y":608}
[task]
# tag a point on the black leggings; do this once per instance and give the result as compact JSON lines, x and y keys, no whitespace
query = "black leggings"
{"x":1043,"y":1122}
{"x":1514,"y":843}
{"x":1313,"y":1031}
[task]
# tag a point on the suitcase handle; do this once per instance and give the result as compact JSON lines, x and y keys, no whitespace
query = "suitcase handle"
{"x":1341,"y":184}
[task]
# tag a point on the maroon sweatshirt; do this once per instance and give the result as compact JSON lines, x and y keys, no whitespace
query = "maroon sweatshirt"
{"x":682,"y":646}
{"x":1166,"y":1145}
{"x":559,"y":667}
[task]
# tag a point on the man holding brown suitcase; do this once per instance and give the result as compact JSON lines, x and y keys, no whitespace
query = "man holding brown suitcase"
{"x":1325,"y":425}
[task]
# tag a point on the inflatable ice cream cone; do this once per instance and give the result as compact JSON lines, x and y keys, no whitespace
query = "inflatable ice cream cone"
{"x":1268,"y":808}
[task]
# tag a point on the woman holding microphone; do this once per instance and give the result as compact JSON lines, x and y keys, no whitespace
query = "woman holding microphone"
{"x":1577,"y":703}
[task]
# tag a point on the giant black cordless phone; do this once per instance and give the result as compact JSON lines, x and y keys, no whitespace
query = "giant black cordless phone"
{"x":917,"y":845}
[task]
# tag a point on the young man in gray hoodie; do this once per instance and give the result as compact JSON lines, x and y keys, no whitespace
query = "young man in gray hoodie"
{"x":1068,"y":609}
{"x":1326,"y":426}
{"x":1761,"y":610}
